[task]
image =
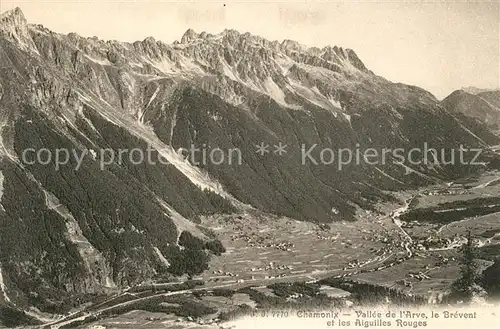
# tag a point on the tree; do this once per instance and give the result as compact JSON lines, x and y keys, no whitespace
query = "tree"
{"x":466,"y":286}
{"x":491,"y":280}
{"x":215,"y":247}
{"x":189,"y":241}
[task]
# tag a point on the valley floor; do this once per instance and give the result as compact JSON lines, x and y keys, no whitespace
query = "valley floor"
{"x":384,"y":249}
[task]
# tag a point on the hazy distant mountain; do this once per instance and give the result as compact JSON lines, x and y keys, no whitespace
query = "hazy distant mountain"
{"x":492,"y":97}
{"x":67,"y":232}
{"x":475,"y":90}
{"x":483,"y":106}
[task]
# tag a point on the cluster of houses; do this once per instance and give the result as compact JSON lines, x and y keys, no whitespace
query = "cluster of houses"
{"x":261,"y":240}
{"x":281,"y":275}
{"x":294,"y":296}
{"x":272,"y":266}
{"x":328,"y":237}
{"x":451,"y":191}
{"x":252,"y":239}
{"x":412,"y":224}
{"x":284,"y":246}
{"x":442,"y":260}
{"x":352,"y":264}
{"x":200,"y":321}
{"x":435,"y":241}
{"x":406,"y":283}
{"x":223,"y":273}
{"x":420,"y":276}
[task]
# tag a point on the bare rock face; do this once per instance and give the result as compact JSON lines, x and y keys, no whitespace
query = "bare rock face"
{"x":13,"y":25}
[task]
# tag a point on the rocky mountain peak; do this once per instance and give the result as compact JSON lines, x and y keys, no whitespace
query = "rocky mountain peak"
{"x":13,"y":25}
{"x":292,"y":45}
{"x":189,"y":36}
{"x":13,"y":17}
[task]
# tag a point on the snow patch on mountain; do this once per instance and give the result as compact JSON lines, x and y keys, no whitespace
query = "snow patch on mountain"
{"x":194,"y":174}
{"x":164,"y":66}
{"x":189,"y":66}
{"x":347,"y":117}
{"x":89,"y":123}
{"x":3,"y":288}
{"x":314,"y":96}
{"x":228,"y":71}
{"x":335,"y":103}
{"x":2,"y":178}
{"x":102,"y":62}
{"x":285,"y":63}
{"x":161,"y":257}
{"x":1,"y":186}
{"x":180,"y":221}
{"x":274,"y":91}
{"x":3,"y":148}
{"x":153,"y":96}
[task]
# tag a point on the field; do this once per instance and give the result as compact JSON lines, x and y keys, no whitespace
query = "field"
{"x":440,"y":279}
{"x":282,"y":248}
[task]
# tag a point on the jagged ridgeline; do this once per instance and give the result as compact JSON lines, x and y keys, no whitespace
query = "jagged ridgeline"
{"x":67,"y":232}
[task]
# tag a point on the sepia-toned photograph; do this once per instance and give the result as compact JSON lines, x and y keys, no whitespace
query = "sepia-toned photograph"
{"x":249,"y":164}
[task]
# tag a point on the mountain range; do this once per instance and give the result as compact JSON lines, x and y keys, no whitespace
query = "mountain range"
{"x":67,"y":234}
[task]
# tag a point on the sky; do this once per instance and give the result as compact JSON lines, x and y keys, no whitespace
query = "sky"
{"x":440,"y":46}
